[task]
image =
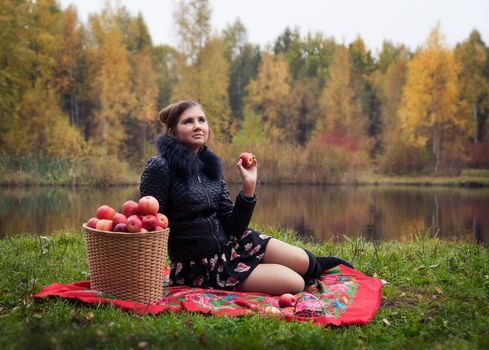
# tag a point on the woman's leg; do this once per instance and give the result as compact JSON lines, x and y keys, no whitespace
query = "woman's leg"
{"x":301,"y":261}
{"x":282,"y":253}
{"x":274,"y":279}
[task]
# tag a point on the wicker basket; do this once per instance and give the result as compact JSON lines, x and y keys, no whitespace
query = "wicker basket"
{"x":129,"y":266}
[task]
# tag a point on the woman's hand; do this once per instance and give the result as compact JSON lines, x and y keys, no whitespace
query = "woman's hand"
{"x":248,"y":177}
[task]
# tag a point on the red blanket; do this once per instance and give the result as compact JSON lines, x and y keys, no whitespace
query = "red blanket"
{"x":340,"y":296}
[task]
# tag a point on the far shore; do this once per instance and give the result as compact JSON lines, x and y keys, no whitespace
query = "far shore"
{"x":369,"y":180}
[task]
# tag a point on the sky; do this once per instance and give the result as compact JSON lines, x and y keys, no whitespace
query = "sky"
{"x":406,"y":22}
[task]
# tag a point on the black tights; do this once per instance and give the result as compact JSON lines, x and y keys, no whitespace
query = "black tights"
{"x":319,"y":264}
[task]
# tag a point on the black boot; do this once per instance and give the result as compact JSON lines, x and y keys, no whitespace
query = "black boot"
{"x":328,"y":262}
{"x":317,"y":265}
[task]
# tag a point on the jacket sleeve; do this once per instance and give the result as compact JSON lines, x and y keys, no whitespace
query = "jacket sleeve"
{"x":155,"y":181}
{"x":235,"y":218}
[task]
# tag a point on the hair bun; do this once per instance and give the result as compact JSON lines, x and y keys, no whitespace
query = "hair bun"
{"x":164,"y":115}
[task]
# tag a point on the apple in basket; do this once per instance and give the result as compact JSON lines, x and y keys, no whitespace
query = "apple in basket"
{"x":129,"y":208}
{"x":105,"y":212}
{"x":92,"y":223}
{"x":121,"y":227}
{"x":134,"y":224}
{"x":148,"y":205}
{"x":119,"y":219}
{"x":162,"y":221}
{"x":104,"y":225}
{"x":150,"y":222}
{"x":287,"y":300}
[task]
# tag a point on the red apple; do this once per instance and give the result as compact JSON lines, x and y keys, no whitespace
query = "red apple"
{"x":148,"y":205}
{"x":120,"y":227}
{"x":286,"y":300}
{"x":158,"y":228}
{"x":143,"y":230}
{"x":119,"y":219}
{"x":129,"y":208}
{"x":104,"y":225}
{"x":247,"y":159}
{"x":92,"y":222}
{"x":105,"y":212}
{"x":134,"y":224}
{"x":150,"y":222}
{"x":162,"y":220}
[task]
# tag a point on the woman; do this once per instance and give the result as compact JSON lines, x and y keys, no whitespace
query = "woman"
{"x":210,"y":244}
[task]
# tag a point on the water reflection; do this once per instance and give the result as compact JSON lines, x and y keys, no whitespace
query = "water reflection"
{"x":318,"y":212}
{"x":380,"y":213}
{"x":43,"y":210}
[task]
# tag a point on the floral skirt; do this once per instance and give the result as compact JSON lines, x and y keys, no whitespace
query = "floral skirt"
{"x":226,"y":269}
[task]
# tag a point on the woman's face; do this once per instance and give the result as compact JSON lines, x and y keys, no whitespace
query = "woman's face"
{"x":192,"y":128}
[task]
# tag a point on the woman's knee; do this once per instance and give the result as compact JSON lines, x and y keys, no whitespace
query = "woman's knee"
{"x":297,"y":284}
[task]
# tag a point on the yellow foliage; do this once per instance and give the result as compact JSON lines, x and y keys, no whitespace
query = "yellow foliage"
{"x":430,"y":113}
{"x":269,"y":93}
{"x":63,"y":140}
{"x":110,"y":82}
{"x":340,"y":109}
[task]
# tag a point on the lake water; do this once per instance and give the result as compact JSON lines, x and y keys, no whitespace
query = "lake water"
{"x":316,"y":212}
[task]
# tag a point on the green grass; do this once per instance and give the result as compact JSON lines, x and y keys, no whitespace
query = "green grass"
{"x":468,"y":178}
{"x":437,"y":298}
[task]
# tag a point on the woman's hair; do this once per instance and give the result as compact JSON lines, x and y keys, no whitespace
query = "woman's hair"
{"x":171,"y":113}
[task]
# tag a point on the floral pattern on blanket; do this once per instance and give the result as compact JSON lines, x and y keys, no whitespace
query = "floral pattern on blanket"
{"x":328,"y":296}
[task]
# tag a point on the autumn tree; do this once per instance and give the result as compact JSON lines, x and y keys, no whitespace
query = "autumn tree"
{"x":341,"y":110}
{"x":252,"y":130}
{"x":304,"y":109}
{"x":193,"y":26}
{"x":141,"y":116}
{"x":268,"y":96}
{"x":308,"y":57}
{"x":16,"y":60}
{"x":71,"y":64}
{"x":244,"y":60}
{"x":389,"y":80}
{"x":135,"y":31}
{"x":110,"y":82}
{"x":398,"y":155}
{"x":34,"y":122}
{"x":474,"y":85}
{"x":365,"y":94}
{"x":429,"y":113}
{"x":165,"y":59}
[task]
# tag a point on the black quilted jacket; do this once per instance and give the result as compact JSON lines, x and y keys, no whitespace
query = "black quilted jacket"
{"x":192,"y":193}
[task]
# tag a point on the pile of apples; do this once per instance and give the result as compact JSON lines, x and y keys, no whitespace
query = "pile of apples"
{"x":135,"y":217}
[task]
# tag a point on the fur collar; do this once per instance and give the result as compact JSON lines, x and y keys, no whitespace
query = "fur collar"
{"x":184,"y":163}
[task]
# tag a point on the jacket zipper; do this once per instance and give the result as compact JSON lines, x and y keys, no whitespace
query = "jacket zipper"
{"x":209,"y":202}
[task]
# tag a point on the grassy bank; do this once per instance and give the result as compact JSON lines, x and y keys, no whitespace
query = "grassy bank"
{"x":437,"y":297}
{"x":468,"y":178}
{"x":294,"y":167}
